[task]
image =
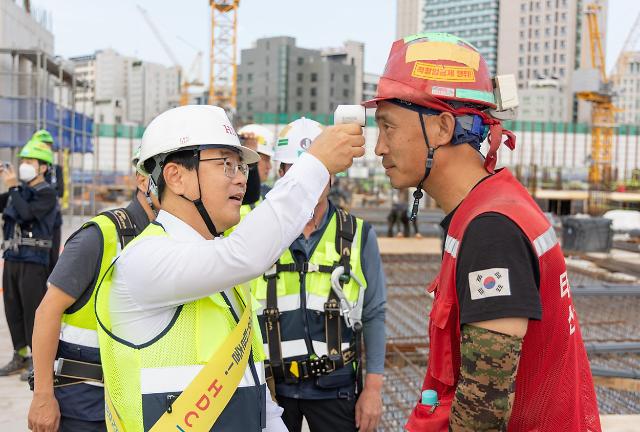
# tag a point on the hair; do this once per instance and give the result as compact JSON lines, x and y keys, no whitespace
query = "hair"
{"x":186,"y":158}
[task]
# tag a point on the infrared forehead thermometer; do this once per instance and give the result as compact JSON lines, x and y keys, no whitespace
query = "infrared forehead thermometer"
{"x":350,"y":114}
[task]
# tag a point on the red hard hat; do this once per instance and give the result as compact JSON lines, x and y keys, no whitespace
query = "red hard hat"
{"x":434,"y":69}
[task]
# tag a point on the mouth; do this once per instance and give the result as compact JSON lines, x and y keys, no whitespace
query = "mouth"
{"x":237,"y":197}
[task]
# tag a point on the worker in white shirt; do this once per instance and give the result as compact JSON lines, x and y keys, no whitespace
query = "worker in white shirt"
{"x":180,"y":345}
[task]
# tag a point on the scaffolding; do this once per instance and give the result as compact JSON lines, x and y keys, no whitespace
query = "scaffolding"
{"x":37,"y":91}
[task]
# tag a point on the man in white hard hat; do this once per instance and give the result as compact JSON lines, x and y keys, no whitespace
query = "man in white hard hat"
{"x":179,"y":342}
{"x":315,"y":352}
{"x":72,"y":398}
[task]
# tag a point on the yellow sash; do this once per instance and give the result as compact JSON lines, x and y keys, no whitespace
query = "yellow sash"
{"x":201,"y":403}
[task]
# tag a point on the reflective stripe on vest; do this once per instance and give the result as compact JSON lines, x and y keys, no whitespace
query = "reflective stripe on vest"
{"x":317,"y":289}
{"x":553,"y":360}
{"x":78,"y":336}
{"x":79,"y":327}
{"x":196,"y":331}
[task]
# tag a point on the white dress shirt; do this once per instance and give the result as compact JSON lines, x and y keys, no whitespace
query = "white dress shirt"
{"x":157,"y":274}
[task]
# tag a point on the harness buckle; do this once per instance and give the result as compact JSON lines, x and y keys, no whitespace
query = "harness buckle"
{"x":271,"y":314}
{"x":271,"y":273}
{"x":310,"y":267}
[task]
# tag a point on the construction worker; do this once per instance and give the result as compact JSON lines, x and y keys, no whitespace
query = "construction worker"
{"x":29,"y":211}
{"x":261,"y":138}
{"x":179,"y":341}
{"x":506,"y":351}
{"x":55,"y":177}
{"x":65,"y":324}
{"x":313,"y":346}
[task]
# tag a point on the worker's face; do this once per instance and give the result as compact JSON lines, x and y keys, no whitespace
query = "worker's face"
{"x":222,"y":192}
{"x":401,"y":144}
{"x":220,"y":189}
{"x":41,"y":169}
{"x":264,"y":167}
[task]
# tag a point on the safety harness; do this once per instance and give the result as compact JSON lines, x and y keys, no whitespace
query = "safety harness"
{"x":293,"y":371}
{"x":67,"y":371}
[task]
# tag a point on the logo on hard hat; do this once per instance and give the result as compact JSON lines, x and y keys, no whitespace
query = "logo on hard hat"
{"x":184,"y":140}
{"x":305,"y":143}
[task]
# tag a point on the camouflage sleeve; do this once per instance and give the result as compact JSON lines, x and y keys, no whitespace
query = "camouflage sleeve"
{"x":486,"y":388}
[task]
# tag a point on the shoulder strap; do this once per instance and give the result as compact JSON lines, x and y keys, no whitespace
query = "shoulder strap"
{"x":126,"y":228}
{"x":345,"y":233}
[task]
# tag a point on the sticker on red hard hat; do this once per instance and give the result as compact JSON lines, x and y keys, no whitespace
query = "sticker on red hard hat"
{"x":443,"y":51}
{"x":443,"y":91}
{"x":435,"y":72}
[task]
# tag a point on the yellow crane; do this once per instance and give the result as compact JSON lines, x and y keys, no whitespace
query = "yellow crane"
{"x":602,"y":116}
{"x":223,"y":67}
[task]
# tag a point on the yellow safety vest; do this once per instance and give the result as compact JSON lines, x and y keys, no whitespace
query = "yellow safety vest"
{"x":79,"y":326}
{"x":142,"y":381}
{"x":317,"y":289}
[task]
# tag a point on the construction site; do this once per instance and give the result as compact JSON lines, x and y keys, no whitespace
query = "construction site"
{"x":581,"y":165}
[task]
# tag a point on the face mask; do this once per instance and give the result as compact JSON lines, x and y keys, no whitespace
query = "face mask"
{"x":26,"y":172}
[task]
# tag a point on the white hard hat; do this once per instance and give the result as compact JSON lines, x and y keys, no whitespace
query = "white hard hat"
{"x":263,"y":135}
{"x":190,"y":127}
{"x":295,"y":139}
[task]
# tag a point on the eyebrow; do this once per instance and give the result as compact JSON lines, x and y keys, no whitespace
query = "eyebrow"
{"x":380,"y":116}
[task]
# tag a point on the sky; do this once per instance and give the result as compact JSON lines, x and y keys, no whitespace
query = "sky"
{"x":82,"y":26}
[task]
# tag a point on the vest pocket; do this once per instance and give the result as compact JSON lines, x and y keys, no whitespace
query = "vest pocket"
{"x":424,"y":419}
{"x":440,"y":344}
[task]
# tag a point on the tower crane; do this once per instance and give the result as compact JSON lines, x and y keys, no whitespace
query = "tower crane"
{"x":622,"y":61}
{"x":602,"y":116}
{"x":223,"y":67}
{"x":187,"y":80}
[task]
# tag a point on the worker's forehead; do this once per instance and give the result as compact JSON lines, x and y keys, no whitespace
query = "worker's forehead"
{"x":385,"y":110}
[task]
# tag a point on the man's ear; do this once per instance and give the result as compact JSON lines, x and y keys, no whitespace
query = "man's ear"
{"x":174,"y":178}
{"x":445,"y":126}
{"x":42,"y":168}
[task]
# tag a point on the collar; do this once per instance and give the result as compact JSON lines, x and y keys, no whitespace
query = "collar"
{"x":177,"y":228}
{"x":446,"y":221}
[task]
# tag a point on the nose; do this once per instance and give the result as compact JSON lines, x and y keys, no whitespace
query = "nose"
{"x":381,"y":146}
{"x":239,"y":179}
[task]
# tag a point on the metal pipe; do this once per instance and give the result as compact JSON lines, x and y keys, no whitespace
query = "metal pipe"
{"x":612,"y":347}
{"x":605,"y":290}
{"x":612,"y":373}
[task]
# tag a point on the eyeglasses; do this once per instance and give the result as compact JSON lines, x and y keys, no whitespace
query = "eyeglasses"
{"x":231,"y":166}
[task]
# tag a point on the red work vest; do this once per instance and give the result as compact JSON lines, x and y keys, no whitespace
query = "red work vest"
{"x":554,"y":388}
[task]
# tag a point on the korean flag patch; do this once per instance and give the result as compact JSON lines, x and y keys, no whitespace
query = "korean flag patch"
{"x":489,"y":283}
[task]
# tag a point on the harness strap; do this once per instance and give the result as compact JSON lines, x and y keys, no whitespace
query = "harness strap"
{"x":125,"y":226}
{"x":273,"y":335}
{"x":312,"y":367}
{"x":345,"y":233}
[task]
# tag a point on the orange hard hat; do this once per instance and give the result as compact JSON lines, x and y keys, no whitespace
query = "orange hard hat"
{"x":446,"y":73}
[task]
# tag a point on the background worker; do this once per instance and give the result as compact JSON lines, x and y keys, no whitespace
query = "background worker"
{"x":260,"y":139}
{"x":503,"y":273}
{"x":28,"y":211}
{"x":314,"y":357}
{"x":170,"y":303}
{"x":55,"y":177}
{"x":65,"y":323}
